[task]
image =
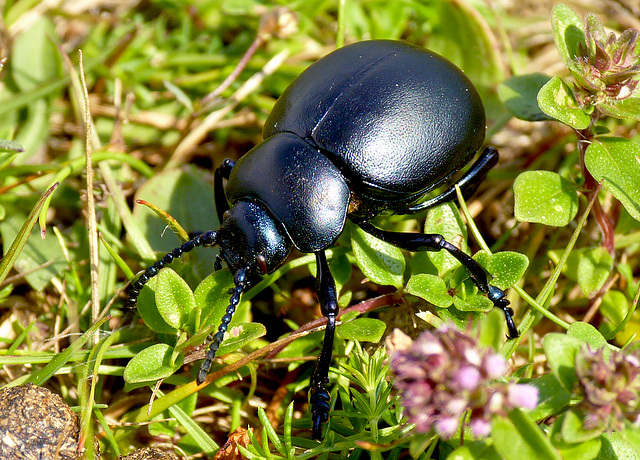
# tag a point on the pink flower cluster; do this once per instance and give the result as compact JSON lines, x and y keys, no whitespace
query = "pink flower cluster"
{"x":610,"y":383}
{"x":444,"y":376}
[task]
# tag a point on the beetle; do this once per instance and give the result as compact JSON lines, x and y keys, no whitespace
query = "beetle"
{"x":370,"y":128}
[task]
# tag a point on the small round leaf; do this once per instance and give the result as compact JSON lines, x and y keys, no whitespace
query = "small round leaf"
{"x":544,"y":197}
{"x":519,"y":95}
{"x":616,"y":161}
{"x":446,"y":220}
{"x":174,"y":298}
{"x":556,"y":100}
{"x":381,"y":262}
{"x":152,"y":364}
{"x":362,"y":329}
{"x":430,"y":288}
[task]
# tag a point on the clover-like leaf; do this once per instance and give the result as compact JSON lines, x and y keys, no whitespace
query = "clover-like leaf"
{"x":381,"y":262}
{"x":568,"y":34}
{"x":519,"y":95}
{"x":544,"y":197}
{"x":616,"y":162}
{"x":505,"y":267}
{"x":238,"y":336}
{"x":431,"y":288}
{"x":446,"y":221}
{"x":557,"y":100}
{"x":174,"y":298}
{"x":561,"y":350}
{"x":593,"y":270}
{"x":152,"y":364}
{"x":362,"y":329}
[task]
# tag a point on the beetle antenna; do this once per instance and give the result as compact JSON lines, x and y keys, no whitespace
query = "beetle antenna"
{"x":204,"y":239}
{"x":240,"y":281}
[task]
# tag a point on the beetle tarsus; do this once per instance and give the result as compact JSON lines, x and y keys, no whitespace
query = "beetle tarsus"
{"x":320,"y":409}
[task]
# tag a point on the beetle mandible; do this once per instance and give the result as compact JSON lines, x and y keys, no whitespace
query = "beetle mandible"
{"x":370,"y":128}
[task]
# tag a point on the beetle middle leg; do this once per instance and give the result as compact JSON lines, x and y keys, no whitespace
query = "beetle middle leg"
{"x":416,"y":242}
{"x":328,"y":297}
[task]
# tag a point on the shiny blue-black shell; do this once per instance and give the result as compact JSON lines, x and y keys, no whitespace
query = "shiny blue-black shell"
{"x":371,"y":127}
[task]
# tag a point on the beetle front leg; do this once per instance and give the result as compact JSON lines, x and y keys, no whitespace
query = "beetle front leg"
{"x":328,"y":297}
{"x":416,"y":242}
{"x":222,"y":172}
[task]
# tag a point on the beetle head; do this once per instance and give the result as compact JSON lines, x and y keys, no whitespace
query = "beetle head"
{"x":250,"y":239}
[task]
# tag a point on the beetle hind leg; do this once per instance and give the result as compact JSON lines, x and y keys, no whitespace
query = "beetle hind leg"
{"x":328,"y":297}
{"x":468,"y":183}
{"x":416,"y":242}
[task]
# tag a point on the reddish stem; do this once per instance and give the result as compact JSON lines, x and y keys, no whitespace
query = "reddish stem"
{"x":604,"y":220}
{"x":368,"y":305}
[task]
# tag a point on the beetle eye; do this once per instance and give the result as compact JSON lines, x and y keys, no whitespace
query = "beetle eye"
{"x":262,"y":264}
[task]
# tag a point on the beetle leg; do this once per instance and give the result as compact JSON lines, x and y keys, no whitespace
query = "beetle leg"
{"x":328,"y":297}
{"x":222,"y":172}
{"x":415,"y":242}
{"x":468,"y":183}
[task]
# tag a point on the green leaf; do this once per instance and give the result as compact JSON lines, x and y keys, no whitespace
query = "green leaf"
{"x":568,"y":32}
{"x":41,"y":259}
{"x":431,"y":288}
{"x":148,"y":311}
{"x":446,"y":220}
{"x":174,"y":298}
{"x":362,"y":329}
{"x":625,"y":109}
{"x":34,"y":58}
{"x":616,"y":162}
{"x":21,"y":235}
{"x":580,"y":450}
{"x":588,"y":334}
{"x":188,"y":198}
{"x":506,"y":267}
{"x":476,"y":302}
{"x":552,"y":396}
{"x":238,"y":336}
{"x":544,"y":197}
{"x":381,"y":262}
{"x":593,"y":270}
{"x":212,"y":298}
{"x":556,"y":99}
{"x":561,"y":350}
{"x":10,"y":146}
{"x":614,"y":306}
{"x":152,"y":364}
{"x":519,"y":437}
{"x":573,"y":430}
{"x":520,"y":96}
{"x":619,"y":446}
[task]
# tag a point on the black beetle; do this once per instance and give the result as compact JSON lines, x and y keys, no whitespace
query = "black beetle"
{"x":370,"y":128}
